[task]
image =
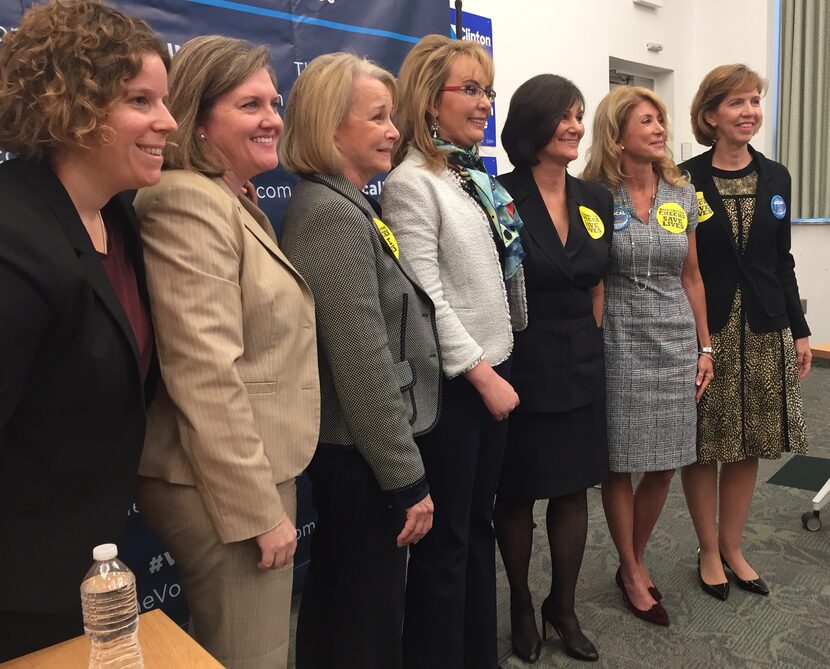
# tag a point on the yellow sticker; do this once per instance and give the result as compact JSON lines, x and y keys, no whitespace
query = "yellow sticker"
{"x":672,"y":217}
{"x":704,"y":211}
{"x":593,"y":223}
{"x":388,"y":237}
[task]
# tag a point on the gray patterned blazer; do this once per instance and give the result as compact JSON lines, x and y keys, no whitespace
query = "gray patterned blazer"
{"x":380,"y":365}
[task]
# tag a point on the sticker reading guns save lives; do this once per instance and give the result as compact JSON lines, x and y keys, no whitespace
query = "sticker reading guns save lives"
{"x":704,"y":211}
{"x":388,"y":237}
{"x":672,"y":217}
{"x":593,"y":223}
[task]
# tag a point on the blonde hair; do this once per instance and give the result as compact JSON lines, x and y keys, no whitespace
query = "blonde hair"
{"x":605,"y":155}
{"x":203,"y":70}
{"x":423,"y":73}
{"x":61,"y":71}
{"x":318,"y":103}
{"x":712,"y":91}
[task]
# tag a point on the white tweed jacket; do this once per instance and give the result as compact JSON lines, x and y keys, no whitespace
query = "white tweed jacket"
{"x":449,"y":244}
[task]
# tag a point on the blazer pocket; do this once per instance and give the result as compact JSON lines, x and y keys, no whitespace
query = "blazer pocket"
{"x":261,"y":388}
{"x":406,"y":375}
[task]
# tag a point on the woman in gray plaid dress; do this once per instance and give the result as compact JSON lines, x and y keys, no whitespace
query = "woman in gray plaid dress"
{"x":655,"y":318}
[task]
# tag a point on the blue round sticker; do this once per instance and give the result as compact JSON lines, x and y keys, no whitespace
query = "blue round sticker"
{"x":622,"y":219}
{"x":778,"y":206}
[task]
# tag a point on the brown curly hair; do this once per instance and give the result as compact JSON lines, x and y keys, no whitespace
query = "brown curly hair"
{"x":61,"y":71}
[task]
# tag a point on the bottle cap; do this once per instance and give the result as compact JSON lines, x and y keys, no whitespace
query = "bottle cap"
{"x":105,"y":552}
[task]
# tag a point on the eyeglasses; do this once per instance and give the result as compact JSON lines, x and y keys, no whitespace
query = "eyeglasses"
{"x":472,"y":91}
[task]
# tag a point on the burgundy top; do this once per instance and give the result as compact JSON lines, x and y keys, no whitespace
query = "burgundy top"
{"x":120,"y":271}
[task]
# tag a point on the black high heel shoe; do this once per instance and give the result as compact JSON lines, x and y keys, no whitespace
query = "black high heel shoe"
{"x":718,"y":590}
{"x":756,"y":586}
{"x":582,"y":650}
{"x":657,"y":614}
{"x":524,"y":636}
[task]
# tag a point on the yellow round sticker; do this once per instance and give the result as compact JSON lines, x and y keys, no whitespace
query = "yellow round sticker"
{"x":672,"y":217}
{"x":704,"y":211}
{"x":388,"y":237}
{"x":593,"y":223}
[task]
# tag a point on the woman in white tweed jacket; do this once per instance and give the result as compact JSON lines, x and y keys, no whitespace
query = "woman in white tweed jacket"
{"x":459,"y":231}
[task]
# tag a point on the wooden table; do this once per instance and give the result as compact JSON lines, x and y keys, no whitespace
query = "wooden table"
{"x":163,"y":643}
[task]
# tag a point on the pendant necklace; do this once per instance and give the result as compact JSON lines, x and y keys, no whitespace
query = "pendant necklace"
{"x":637,"y":282}
{"x":103,"y":234}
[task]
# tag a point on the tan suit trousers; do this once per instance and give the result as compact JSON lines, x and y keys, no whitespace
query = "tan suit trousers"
{"x":238,"y":612}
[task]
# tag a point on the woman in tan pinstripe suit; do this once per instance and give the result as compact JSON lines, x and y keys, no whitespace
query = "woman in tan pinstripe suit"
{"x":237,"y":416}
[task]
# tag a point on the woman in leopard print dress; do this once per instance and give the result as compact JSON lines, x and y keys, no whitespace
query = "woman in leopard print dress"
{"x":759,"y":334}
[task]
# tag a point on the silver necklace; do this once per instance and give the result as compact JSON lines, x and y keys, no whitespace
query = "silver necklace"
{"x":637,"y":282}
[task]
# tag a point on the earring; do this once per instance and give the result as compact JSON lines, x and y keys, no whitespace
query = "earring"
{"x":622,"y":148}
{"x":434,"y":128}
{"x":202,"y":136}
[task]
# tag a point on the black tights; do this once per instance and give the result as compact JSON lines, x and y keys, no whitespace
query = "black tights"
{"x":567,"y":526}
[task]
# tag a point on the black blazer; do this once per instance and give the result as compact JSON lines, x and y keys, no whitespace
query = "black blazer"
{"x":558,"y":360}
{"x":766,"y":269}
{"x":72,"y":399}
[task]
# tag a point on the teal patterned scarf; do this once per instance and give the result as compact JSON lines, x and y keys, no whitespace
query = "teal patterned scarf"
{"x":493,"y":198}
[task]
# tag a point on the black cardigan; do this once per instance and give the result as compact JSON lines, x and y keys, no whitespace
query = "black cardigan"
{"x":766,"y":269}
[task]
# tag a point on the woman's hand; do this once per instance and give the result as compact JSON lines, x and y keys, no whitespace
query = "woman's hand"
{"x":418,"y":522}
{"x":705,"y":374}
{"x":803,"y":356}
{"x":498,"y":395}
{"x":277,"y":545}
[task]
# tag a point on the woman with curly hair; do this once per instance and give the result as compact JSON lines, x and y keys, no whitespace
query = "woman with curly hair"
{"x":81,"y":105}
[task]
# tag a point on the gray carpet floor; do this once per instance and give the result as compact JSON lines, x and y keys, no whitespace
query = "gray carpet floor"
{"x":790,"y":628}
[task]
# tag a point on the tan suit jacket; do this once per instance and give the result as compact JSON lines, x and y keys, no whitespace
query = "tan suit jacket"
{"x":238,"y":409}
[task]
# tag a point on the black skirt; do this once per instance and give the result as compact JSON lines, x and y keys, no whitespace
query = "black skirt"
{"x":554,"y":454}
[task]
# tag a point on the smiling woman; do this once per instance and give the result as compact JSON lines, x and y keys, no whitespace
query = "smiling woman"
{"x":657,"y":347}
{"x":81,"y":104}
{"x":235,"y":420}
{"x":461,"y":232}
{"x":760,"y":335}
{"x":379,"y":367}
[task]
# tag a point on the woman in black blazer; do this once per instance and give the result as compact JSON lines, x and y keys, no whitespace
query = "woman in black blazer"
{"x":759,"y":334}
{"x":557,"y":444}
{"x":82,"y":107}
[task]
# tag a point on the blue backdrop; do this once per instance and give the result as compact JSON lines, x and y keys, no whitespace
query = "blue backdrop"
{"x":296,"y":31}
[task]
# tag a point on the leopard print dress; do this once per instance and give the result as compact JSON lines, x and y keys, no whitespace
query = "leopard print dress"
{"x":753,"y":407}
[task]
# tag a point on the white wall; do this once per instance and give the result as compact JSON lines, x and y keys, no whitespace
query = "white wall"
{"x":576,"y":38}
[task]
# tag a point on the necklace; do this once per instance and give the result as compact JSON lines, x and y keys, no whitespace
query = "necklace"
{"x":103,"y":250}
{"x":637,"y":282}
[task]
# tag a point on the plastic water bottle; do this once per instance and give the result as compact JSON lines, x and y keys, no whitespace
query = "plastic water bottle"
{"x":110,"y":609}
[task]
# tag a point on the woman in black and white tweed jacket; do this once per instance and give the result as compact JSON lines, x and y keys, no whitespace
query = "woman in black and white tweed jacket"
{"x":380,"y":366}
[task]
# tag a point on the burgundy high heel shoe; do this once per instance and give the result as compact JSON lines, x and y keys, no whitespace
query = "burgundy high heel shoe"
{"x":656,"y":614}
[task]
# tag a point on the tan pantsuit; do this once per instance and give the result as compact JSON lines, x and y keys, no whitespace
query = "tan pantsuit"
{"x":238,"y":611}
{"x":236,"y":417}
